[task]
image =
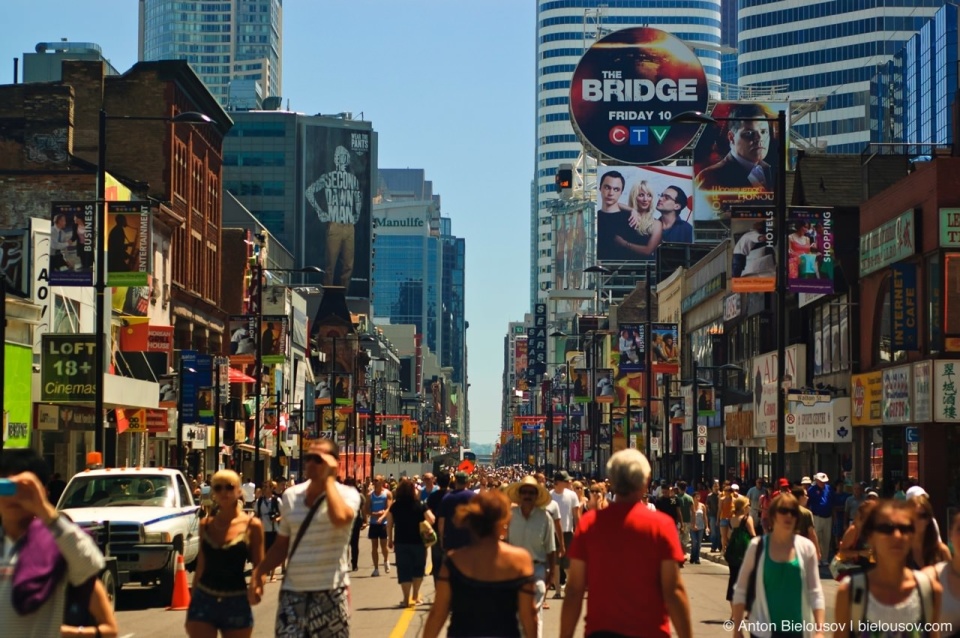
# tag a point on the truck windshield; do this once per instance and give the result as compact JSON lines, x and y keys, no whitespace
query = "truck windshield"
{"x":118,"y":491}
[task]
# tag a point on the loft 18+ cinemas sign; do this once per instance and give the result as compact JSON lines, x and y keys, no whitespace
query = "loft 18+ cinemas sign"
{"x":628,"y":86}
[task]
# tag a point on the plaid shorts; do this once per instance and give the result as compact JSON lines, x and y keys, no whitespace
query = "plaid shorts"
{"x":313,"y":614}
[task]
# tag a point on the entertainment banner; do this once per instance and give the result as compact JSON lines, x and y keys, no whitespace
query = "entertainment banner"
{"x":273,"y":342}
{"x":810,"y":254}
{"x":754,"y":266}
{"x":72,"y":231}
{"x":633,"y":347}
{"x":581,"y":385}
{"x":128,"y":243}
{"x":736,"y":160}
{"x":336,"y":173}
{"x":665,"y":346}
{"x":638,"y":208}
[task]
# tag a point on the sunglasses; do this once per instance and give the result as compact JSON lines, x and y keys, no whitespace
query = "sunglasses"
{"x":313,"y":458}
{"x":528,"y":492}
{"x":789,"y":511}
{"x":887,"y":529}
{"x":224,"y":487}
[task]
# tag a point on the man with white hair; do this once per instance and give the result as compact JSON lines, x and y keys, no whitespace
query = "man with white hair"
{"x":598,"y":559}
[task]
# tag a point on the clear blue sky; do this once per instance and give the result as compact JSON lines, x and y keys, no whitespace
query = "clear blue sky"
{"x":448,"y":85}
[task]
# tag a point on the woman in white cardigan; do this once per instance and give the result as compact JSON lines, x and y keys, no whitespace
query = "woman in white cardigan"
{"x":788,"y":598}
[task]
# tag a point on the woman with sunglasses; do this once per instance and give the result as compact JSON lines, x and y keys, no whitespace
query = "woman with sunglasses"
{"x":926,"y":549}
{"x":578,"y":490}
{"x":228,"y":539}
{"x":948,"y":574}
{"x":598,"y":499}
{"x":784,"y":577}
{"x":891,"y":592}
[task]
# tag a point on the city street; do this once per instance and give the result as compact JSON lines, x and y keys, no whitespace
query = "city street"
{"x":375,"y":613}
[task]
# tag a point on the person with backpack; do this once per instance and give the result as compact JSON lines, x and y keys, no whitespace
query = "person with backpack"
{"x":267,"y":509}
{"x":891,"y":592}
{"x":741,"y":532}
{"x":779,"y":580}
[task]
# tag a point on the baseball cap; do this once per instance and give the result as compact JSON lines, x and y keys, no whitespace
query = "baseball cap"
{"x":561,"y":476}
{"x":735,"y":487}
{"x":871,"y":495}
{"x":915,"y":491}
{"x":461,"y":477}
{"x":783,"y":483}
{"x":806,"y":481}
{"x":820,"y":476}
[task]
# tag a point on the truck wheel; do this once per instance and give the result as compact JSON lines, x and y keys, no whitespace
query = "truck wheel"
{"x":167,"y":575}
{"x":109,"y":581}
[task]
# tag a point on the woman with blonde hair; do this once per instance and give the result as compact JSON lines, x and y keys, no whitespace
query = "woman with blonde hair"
{"x":641,"y":220}
{"x":926,"y":548}
{"x":228,"y":539}
{"x":741,"y":532}
{"x":853,"y":549}
{"x":487,"y":587}
{"x":598,"y":498}
{"x":578,"y":490}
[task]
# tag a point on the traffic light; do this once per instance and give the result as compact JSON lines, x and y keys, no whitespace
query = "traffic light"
{"x":564,"y":180}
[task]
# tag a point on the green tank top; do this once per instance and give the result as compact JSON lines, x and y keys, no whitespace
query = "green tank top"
{"x":783,"y":585}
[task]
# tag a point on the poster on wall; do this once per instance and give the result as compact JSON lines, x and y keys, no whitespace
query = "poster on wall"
{"x":243,"y":339}
{"x":810,"y":250}
{"x":665,"y":348}
{"x":128,"y":243}
{"x":581,"y":385}
{"x":72,"y":232}
{"x":336,"y":172}
{"x":754,"y":265}
{"x":604,"y":390}
{"x":273,"y":343}
{"x":632,"y":345}
{"x":638,"y":208}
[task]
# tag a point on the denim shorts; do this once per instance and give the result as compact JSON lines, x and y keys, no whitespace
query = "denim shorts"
{"x":223,"y":612}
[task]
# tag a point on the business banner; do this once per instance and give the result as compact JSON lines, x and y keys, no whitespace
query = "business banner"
{"x":337,"y":164}
{"x":640,"y":207}
{"x":632,"y":345}
{"x":905,"y":328}
{"x":665,"y":347}
{"x":810,"y":250}
{"x":273,"y":341}
{"x":737,"y":159}
{"x":128,"y":244}
{"x":754,"y":265}
{"x":72,"y":231}
{"x":243,"y":339}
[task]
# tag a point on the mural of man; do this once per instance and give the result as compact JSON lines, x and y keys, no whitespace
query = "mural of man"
{"x":342,"y":204}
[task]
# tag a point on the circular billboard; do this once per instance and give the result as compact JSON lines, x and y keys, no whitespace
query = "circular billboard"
{"x":628,"y":86}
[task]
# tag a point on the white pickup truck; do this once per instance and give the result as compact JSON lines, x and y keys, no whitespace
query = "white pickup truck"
{"x":141,"y":516}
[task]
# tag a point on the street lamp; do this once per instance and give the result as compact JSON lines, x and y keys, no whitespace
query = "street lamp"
{"x":258,"y":364}
{"x":100,"y":287}
{"x":697,"y":117}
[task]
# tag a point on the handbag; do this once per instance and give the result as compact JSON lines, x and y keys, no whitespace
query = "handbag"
{"x":427,"y":534}
{"x":840,"y":569}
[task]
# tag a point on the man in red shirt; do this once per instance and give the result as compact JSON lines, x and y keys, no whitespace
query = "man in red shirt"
{"x":626,"y":541}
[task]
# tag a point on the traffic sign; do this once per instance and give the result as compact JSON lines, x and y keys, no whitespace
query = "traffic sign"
{"x":701,"y":430}
{"x":701,"y":445}
{"x":913,"y":435}
{"x":791,"y":421}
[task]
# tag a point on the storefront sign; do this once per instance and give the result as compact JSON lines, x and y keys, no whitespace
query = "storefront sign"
{"x":823,"y":422}
{"x":922,"y":386}
{"x":905,"y":333}
{"x":67,"y":370}
{"x":945,"y":379}
{"x":738,"y":424}
{"x":950,"y":227}
{"x":887,"y":244}
{"x":895,"y":394}
{"x":701,"y":294}
{"x":791,"y":445}
{"x":765,"y":386}
{"x":867,"y":398}
{"x":732,"y":307}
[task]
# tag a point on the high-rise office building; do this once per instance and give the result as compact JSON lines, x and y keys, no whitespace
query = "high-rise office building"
{"x":826,"y":50}
{"x":453,"y":328}
{"x":565,"y":28}
{"x":222,"y":41}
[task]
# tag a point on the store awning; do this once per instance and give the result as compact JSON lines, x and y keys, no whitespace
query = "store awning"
{"x":238,"y":377}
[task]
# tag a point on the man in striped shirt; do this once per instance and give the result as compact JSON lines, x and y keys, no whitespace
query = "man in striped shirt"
{"x":313,"y":597}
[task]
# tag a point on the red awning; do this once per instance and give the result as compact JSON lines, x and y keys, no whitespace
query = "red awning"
{"x":238,"y":377}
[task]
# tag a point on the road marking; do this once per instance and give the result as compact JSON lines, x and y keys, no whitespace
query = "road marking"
{"x":400,"y":630}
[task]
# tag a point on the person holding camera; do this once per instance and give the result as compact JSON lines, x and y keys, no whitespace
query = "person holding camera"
{"x":267,"y":509}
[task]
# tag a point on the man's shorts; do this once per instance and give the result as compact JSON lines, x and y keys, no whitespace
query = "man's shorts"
{"x":313,"y":613}
{"x":377,"y":531}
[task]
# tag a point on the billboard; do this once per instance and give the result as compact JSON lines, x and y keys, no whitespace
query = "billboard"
{"x":736,"y":160}
{"x":573,"y":243}
{"x":627,"y":87}
{"x":337,"y":193}
{"x":639,"y":208}
{"x":520,"y":356}
{"x":665,"y":347}
{"x":72,"y":229}
{"x":754,"y":265}
{"x":128,"y":243}
{"x":810,"y":250}
{"x":632,"y":345}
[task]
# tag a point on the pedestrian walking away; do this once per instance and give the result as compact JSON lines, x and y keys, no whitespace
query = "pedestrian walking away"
{"x":741,"y":526}
{"x":453,"y":536}
{"x":569,"y":505}
{"x":315,"y":522}
{"x":531,"y":528}
{"x":821,"y":504}
{"x":485,"y":587}
{"x":267,"y":509}
{"x":626,"y":543}
{"x":228,"y":539}
{"x":403,"y":534}
{"x":359,"y":524}
{"x":433,"y":504}
{"x":378,"y":504}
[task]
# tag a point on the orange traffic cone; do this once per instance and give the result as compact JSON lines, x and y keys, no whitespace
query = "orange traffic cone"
{"x":181,"y":588}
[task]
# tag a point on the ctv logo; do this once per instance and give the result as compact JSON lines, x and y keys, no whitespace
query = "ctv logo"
{"x":637,"y":135}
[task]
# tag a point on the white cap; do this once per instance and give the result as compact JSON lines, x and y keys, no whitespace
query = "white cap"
{"x":820,"y":476}
{"x":806,"y":481}
{"x":871,"y":494}
{"x":735,"y":488}
{"x":915,"y":491}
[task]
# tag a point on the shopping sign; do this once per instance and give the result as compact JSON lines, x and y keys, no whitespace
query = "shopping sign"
{"x":67,"y":368}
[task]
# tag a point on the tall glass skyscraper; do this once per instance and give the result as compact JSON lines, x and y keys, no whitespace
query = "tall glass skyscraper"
{"x":565,"y":28}
{"x":222,"y":41}
{"x":453,"y":327}
{"x":826,"y":49}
